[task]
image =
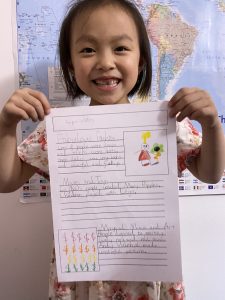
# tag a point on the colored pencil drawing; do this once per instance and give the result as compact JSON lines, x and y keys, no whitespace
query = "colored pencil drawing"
{"x":145,"y":156}
{"x":146,"y":152}
{"x":78,"y":251}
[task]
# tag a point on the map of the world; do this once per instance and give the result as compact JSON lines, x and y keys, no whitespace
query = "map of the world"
{"x":187,"y":40}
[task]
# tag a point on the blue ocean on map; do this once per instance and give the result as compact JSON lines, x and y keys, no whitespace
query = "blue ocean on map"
{"x":196,"y":59}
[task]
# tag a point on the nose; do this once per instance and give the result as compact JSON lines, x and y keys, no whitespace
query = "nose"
{"x":105,"y":61}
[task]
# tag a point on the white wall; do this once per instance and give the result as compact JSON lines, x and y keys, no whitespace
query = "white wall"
{"x":26,"y":229}
{"x":203,"y":246}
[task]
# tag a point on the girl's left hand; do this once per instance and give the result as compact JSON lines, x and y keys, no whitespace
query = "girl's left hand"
{"x":195,"y":104}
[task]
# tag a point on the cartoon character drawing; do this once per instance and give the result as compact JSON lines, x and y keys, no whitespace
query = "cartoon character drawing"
{"x":156,"y":150}
{"x":144,"y":156}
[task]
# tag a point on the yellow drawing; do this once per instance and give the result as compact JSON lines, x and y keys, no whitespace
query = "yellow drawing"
{"x":144,"y":156}
{"x":157,"y":150}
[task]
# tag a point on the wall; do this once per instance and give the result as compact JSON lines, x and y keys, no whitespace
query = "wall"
{"x":26,"y":229}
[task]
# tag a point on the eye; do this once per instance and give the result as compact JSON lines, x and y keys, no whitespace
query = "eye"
{"x":121,"y":49}
{"x":87,"y":50}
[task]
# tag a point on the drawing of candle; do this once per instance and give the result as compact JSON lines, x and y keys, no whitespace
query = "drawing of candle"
{"x":68,"y":269}
{"x":68,"y":265}
{"x":83,"y":258}
{"x":73,"y":237}
{"x":144,"y":156}
{"x":66,"y":249}
{"x":79,"y":252}
{"x":94,"y":266}
{"x":73,"y":248}
{"x":86,"y":238}
{"x":79,"y":237}
{"x":75,"y":268}
{"x":87,"y":267}
{"x":81,"y":248}
{"x":75,"y":259}
{"x":87,"y":248}
{"x":75,"y":263}
{"x":93,"y":237}
{"x":89,"y":258}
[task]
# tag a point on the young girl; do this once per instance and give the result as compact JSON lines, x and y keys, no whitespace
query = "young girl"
{"x":104,"y":53}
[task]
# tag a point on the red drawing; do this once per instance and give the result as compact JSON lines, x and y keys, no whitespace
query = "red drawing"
{"x":144,"y":156}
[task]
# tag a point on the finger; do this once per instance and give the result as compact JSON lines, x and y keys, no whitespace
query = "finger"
{"x":28,"y":110}
{"x":36,"y":105}
{"x":180,"y":94}
{"x":35,"y":99}
{"x":42,"y":98}
{"x":19,"y":113}
{"x":183,"y":103}
{"x":190,"y":110}
{"x":205,"y":116}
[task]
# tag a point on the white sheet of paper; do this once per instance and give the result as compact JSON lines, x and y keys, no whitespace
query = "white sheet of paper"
{"x":113,"y":173}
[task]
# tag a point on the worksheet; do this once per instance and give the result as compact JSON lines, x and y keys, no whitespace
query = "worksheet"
{"x":113,"y":171}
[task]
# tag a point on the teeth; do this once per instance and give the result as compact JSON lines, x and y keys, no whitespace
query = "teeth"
{"x":107,"y":82}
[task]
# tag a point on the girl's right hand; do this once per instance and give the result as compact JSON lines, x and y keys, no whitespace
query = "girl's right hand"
{"x":24,"y":104}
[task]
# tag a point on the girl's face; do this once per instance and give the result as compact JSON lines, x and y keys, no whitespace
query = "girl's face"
{"x":105,"y":54}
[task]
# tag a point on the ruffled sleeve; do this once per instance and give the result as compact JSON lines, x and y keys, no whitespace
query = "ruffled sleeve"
{"x":33,"y":150}
{"x":188,"y":144}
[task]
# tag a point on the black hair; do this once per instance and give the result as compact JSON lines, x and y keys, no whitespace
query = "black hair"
{"x":143,"y":84}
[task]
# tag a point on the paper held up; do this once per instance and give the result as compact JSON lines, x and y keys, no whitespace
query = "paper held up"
{"x":113,"y":173}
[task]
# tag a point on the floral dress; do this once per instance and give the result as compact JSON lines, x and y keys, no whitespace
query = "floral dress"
{"x":33,"y":151}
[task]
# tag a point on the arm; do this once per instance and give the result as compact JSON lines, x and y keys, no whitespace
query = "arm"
{"x":197,"y":105}
{"x":22,"y":105}
{"x":13,"y":171}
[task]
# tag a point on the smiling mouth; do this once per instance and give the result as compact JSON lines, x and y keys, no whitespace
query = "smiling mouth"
{"x":107,"y":82}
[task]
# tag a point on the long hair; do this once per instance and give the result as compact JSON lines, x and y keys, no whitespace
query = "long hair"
{"x":143,"y":84}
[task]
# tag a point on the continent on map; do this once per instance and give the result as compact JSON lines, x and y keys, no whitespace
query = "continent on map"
{"x":174,"y":40}
{"x":221,"y":5}
{"x":37,"y":43}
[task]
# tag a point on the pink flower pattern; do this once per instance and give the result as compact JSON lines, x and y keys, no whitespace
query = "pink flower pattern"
{"x":33,"y":150}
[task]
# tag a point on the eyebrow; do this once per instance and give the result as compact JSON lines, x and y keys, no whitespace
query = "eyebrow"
{"x":92,"y":39}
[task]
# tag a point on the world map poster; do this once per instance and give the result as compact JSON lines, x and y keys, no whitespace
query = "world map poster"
{"x":187,"y":41}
